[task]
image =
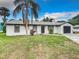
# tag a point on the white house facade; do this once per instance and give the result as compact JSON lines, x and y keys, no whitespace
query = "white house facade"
{"x":14,"y":28}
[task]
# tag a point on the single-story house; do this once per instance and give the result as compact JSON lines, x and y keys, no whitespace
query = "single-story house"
{"x":76,"y":29}
{"x":15,"y":27}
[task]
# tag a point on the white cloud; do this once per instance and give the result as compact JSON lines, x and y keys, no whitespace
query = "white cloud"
{"x":60,"y":15}
{"x":53,"y":15}
{"x":7,"y":3}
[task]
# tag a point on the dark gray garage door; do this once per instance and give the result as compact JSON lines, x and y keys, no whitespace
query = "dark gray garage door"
{"x":67,"y":29}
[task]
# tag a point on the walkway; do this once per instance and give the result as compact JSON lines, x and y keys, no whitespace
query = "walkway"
{"x":73,"y":37}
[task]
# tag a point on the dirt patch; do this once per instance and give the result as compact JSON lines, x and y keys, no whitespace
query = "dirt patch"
{"x":68,"y":56}
{"x":18,"y":54}
{"x":14,"y":51}
{"x":40,"y":51}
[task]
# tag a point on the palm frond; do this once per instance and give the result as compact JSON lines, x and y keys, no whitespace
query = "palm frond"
{"x":35,"y":8}
{"x":17,"y":1}
{"x":17,"y":9}
{"x":4,"y":8}
{"x":7,"y":14}
{"x":4,"y":11}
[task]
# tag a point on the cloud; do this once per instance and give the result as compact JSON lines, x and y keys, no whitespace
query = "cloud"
{"x":7,"y":3}
{"x":60,"y":15}
{"x":53,"y":15}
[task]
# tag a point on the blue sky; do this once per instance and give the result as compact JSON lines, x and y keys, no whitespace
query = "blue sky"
{"x":59,"y":6}
{"x":65,"y":9}
{"x":51,"y":6}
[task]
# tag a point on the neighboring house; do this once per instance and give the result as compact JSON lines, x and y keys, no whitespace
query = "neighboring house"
{"x":15,"y":27}
{"x":76,"y":29}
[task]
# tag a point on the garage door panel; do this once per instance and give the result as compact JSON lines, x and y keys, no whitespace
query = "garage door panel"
{"x":67,"y":29}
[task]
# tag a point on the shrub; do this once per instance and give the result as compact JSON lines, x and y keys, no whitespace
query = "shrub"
{"x":50,"y":31}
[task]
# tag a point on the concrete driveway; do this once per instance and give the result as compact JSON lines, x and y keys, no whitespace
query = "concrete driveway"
{"x":73,"y":37}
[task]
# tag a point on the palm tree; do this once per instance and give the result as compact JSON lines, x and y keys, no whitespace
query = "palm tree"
{"x":21,"y":4}
{"x":4,"y":12}
{"x":24,"y":6}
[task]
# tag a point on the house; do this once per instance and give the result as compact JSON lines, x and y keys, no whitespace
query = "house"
{"x":16,"y":27}
{"x":76,"y":29}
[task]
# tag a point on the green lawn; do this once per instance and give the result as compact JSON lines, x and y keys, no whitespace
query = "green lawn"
{"x":37,"y":47}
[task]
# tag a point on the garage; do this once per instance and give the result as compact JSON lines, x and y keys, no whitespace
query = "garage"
{"x":67,"y":29}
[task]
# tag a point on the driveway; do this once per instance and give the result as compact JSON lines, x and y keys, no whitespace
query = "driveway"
{"x":73,"y":37}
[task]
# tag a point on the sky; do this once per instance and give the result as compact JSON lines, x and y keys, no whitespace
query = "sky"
{"x":58,"y":9}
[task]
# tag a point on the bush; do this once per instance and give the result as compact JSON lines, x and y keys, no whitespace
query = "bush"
{"x":50,"y":31}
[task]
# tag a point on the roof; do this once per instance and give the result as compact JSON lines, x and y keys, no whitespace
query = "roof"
{"x":76,"y":26}
{"x":19,"y":22}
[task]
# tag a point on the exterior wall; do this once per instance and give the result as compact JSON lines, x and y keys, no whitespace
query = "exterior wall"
{"x":60,"y":29}
{"x":10,"y":30}
{"x":46,"y":30}
{"x":29,"y":28}
{"x":57,"y":29}
{"x":38,"y":29}
{"x":67,"y":24}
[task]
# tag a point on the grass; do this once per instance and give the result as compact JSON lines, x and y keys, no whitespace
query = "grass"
{"x":37,"y":47}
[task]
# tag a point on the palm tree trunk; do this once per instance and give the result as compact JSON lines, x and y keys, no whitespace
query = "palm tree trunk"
{"x":23,"y":17}
{"x":5,"y":20}
{"x":26,"y":21}
{"x":4,"y":26}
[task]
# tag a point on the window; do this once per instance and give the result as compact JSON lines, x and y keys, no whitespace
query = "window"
{"x":35,"y":27}
{"x":16,"y":28}
{"x":42,"y":29}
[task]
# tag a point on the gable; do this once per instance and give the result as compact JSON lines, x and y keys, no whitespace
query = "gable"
{"x":66,"y":24}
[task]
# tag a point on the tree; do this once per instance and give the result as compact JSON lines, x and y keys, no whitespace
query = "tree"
{"x":48,"y":19}
{"x":20,"y":19}
{"x":74,"y":20}
{"x":4,"y":12}
{"x":11,"y":19}
{"x":24,"y":6}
